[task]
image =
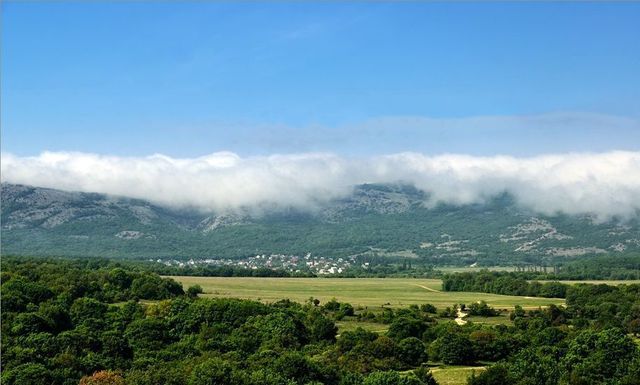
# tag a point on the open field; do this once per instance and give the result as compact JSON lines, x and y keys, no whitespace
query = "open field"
{"x":365,"y":292}
{"x":351,"y":323}
{"x":454,"y":375}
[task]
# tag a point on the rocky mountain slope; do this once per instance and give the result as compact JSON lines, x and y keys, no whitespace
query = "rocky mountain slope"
{"x":376,"y":221}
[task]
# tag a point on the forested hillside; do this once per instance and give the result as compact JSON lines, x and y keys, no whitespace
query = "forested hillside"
{"x":376,"y":221}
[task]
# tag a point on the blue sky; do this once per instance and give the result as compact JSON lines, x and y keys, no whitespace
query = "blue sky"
{"x":185,"y":80}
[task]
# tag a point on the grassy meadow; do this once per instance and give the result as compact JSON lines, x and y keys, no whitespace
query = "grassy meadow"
{"x":348,"y":324}
{"x":360,"y":292}
{"x":454,"y":375}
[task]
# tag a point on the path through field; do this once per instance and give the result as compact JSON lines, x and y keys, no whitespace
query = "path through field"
{"x":460,"y":319}
{"x":428,"y":288}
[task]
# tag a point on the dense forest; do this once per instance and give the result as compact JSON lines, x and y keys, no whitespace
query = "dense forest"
{"x":101,"y":322}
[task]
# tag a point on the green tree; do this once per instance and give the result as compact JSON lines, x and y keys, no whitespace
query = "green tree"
{"x":295,"y":366}
{"x":350,"y":378}
{"x":213,"y":371}
{"x":453,"y":348}
{"x":482,"y":309}
{"x":27,"y":374}
{"x":390,"y":378}
{"x":406,"y":326}
{"x":56,"y":316}
{"x":194,"y":290}
{"x":119,"y":278}
{"x":87,"y":310}
{"x":536,"y":366}
{"x":597,"y":357}
{"x":350,"y":339}
{"x":320,"y":327}
{"x":268,"y":377}
{"x":411,"y":351}
{"x":494,"y":375}
{"x":27,"y":323}
{"x":148,"y":334}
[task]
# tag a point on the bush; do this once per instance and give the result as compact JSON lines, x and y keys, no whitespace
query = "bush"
{"x":194,"y":290}
{"x":482,"y":309}
{"x":428,"y":308}
{"x":423,"y":373}
{"x":332,"y":305}
{"x":346,"y":309}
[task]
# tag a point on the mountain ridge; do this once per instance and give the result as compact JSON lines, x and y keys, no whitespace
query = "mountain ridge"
{"x":376,"y":221}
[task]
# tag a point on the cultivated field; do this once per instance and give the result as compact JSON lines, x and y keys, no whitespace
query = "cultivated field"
{"x":365,"y":292}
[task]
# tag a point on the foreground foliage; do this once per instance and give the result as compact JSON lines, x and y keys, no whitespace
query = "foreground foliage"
{"x":84,"y":322}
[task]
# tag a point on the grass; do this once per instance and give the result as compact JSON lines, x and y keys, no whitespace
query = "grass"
{"x":454,"y":375}
{"x":364,"y":292}
{"x":502,"y":319}
{"x":347,"y":325}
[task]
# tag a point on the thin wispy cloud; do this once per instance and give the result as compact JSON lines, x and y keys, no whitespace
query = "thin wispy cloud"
{"x":604,"y":184}
{"x":524,"y":135}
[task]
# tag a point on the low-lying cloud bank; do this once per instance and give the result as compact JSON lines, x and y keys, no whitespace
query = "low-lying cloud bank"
{"x":605,"y":184}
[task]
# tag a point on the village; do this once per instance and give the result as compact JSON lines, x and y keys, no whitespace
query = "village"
{"x":289,"y":263}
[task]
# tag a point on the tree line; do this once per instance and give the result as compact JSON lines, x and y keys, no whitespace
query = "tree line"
{"x":500,"y":282}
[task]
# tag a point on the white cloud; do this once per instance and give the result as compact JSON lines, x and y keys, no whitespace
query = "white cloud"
{"x":604,"y":184}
